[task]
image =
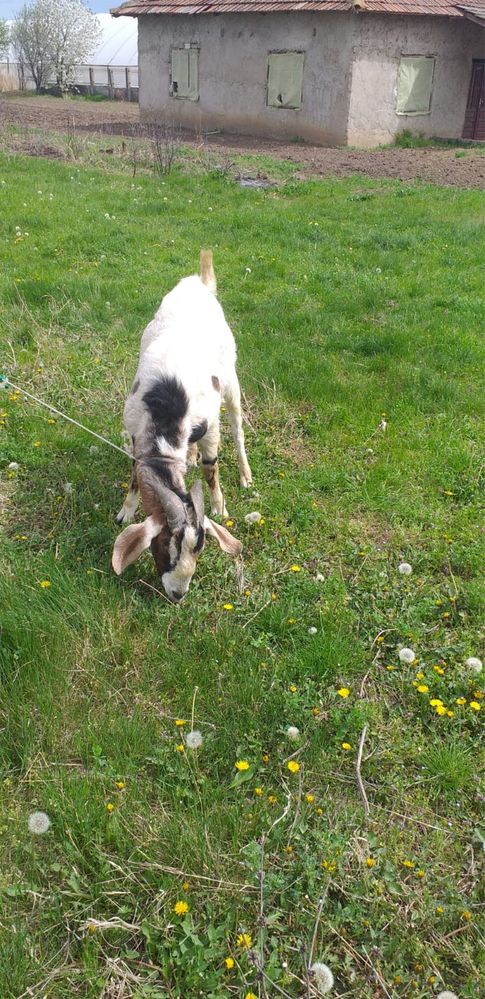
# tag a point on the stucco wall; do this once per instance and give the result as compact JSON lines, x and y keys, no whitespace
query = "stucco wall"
{"x":376,"y":53}
{"x":232,"y":72}
{"x":350,"y":73}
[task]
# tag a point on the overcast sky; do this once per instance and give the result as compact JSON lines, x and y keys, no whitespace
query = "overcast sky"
{"x":8,"y":8}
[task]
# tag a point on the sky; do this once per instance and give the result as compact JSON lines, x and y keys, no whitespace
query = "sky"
{"x":9,"y":8}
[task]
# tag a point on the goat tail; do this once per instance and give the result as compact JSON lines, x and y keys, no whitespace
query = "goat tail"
{"x":207,"y":275}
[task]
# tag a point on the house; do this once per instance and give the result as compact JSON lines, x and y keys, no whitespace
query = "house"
{"x":335,"y":72}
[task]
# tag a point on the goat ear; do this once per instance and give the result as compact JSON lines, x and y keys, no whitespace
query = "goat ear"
{"x":227,"y":542}
{"x":132,"y":542}
{"x":197,"y":496}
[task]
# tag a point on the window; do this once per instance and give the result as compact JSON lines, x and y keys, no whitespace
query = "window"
{"x":285,"y":79}
{"x":415,"y":84}
{"x":185,"y":73}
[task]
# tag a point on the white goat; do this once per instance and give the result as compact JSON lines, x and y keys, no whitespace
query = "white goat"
{"x":186,"y":369}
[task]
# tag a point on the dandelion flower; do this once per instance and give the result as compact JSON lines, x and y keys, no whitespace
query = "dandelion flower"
{"x":437,"y":700}
{"x":310,"y":798}
{"x":371,"y":862}
{"x":405,"y":568}
{"x":293,"y":766}
{"x":180,"y":908}
{"x":179,"y":722}
{"x":241,"y":765}
{"x":228,"y":607}
{"x":193,"y":740}
{"x":440,"y":709}
{"x":474,"y":664}
{"x":406,"y":655}
{"x":423,"y":688}
{"x":110,"y":807}
{"x":229,"y":962}
{"x":45,"y":583}
{"x":119,"y":784}
{"x":447,"y":995}
{"x":250,"y":995}
{"x":459,"y":700}
{"x":253,"y":518}
{"x":258,"y":791}
{"x":346,"y":746}
{"x":38,"y":823}
{"x":323,"y":977}
{"x":343,"y":692}
{"x":292,"y":733}
{"x":475,"y":706}
{"x":295,"y":568}
{"x":244,"y":940}
{"x":180,"y":747}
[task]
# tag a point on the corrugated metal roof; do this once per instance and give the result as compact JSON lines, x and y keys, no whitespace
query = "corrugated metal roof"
{"x":437,"y":8}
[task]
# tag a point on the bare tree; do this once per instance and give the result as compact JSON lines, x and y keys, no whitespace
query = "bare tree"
{"x":52,"y":37}
{"x":4,"y":38}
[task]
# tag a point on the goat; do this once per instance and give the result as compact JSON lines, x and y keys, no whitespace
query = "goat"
{"x":186,"y":370}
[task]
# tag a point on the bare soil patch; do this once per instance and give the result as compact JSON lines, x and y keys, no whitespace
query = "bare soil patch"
{"x":448,"y":167}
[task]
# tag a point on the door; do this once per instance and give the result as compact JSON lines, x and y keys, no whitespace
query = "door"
{"x":474,"y":127}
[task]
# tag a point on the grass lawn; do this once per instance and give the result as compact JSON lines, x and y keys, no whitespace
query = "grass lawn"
{"x":349,"y":300}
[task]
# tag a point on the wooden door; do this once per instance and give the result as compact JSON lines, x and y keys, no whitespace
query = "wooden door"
{"x":474,"y":127}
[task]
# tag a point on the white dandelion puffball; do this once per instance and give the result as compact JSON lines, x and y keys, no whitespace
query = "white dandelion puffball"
{"x":323,"y":978}
{"x":13,"y":466}
{"x":405,"y":569}
{"x":474,"y":664}
{"x":447,"y":995}
{"x":406,"y":655}
{"x":292,"y":733}
{"x":194,"y":740}
{"x":320,"y":578}
{"x":253,"y":518}
{"x":312,"y":630}
{"x":38,"y":823}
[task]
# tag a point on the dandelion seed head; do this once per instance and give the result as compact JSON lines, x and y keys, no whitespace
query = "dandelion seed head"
{"x":293,"y":733}
{"x":320,"y":578}
{"x":405,"y":568}
{"x":38,"y":823}
{"x":312,"y":630}
{"x":474,"y":664}
{"x":194,"y":740}
{"x":323,"y":977}
{"x":253,"y":518}
{"x":447,"y":995}
{"x":406,"y":655}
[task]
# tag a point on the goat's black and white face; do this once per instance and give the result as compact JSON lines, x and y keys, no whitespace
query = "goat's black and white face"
{"x":180,"y":560}
{"x":176,"y":534}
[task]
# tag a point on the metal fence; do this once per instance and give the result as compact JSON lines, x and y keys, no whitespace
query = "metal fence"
{"x":119,"y":83}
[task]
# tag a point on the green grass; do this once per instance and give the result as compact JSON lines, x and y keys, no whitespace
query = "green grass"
{"x":416,"y":140}
{"x":349,"y":299}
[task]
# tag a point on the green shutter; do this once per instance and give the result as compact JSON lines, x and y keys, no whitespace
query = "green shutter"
{"x":185,"y":73}
{"x":415,"y":84}
{"x":285,"y":79}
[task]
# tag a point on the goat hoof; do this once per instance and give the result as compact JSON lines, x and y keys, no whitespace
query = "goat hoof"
{"x":246,"y":480}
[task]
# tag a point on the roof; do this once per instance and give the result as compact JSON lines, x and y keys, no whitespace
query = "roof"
{"x":437,"y":8}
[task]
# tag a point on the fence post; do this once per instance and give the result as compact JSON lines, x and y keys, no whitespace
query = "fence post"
{"x":128,"y":83}
{"x":91,"y":80}
{"x":110,"y":83}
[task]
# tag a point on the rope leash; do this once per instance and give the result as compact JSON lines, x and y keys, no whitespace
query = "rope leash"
{"x":4,"y":382}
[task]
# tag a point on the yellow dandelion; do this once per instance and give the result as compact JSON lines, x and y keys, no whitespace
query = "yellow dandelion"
{"x":295,"y":568}
{"x":419,"y":676}
{"x":44,"y":584}
{"x":423,"y":688}
{"x":258,"y":791}
{"x":310,"y":798}
{"x":440,"y":709}
{"x":439,"y":670}
{"x":437,"y":700}
{"x":407,"y":863}
{"x":229,"y":962}
{"x":180,"y":747}
{"x":319,"y":811}
{"x":272,"y":799}
{"x":371,"y":862}
{"x":250,"y":995}
{"x":110,"y":807}
{"x":292,"y":688}
{"x":229,"y":523}
{"x":181,"y":907}
{"x":293,"y":766}
{"x":466,"y":916}
{"x":265,"y":758}
{"x":346,"y":746}
{"x":475,"y":706}
{"x":449,"y":714}
{"x":439,"y":910}
{"x":315,"y":711}
{"x":228,"y":607}
{"x":420,"y":874}
{"x":241,"y":765}
{"x":244,"y":940}
{"x":51,"y":421}
{"x":343,"y":692}
{"x":120,"y":784}
{"x":37,"y":444}
{"x":179,"y":722}
{"x":185,"y":885}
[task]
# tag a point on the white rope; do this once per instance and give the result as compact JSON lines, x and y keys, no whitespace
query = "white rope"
{"x":6,"y":381}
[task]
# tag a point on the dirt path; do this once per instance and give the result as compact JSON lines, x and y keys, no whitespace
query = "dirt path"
{"x":449,"y":167}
